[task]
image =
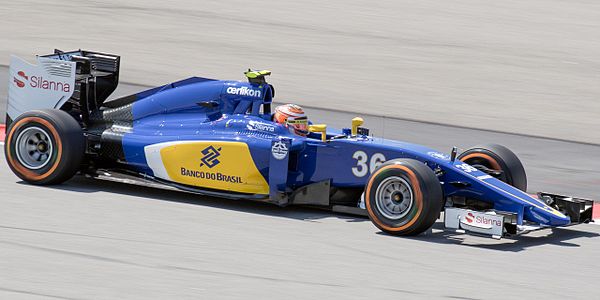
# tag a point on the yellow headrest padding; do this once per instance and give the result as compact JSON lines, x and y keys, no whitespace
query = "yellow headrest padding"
{"x":317,"y":128}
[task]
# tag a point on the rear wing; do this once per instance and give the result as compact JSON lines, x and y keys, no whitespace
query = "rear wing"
{"x":76,"y":81}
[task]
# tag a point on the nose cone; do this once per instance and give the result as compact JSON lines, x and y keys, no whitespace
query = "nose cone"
{"x":547,"y":216}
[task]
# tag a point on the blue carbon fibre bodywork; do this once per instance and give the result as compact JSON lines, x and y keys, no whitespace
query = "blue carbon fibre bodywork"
{"x":199,"y":109}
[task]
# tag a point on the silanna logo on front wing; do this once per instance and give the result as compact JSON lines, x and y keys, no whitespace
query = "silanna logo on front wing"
{"x":481,"y":220}
{"x":40,"y":83}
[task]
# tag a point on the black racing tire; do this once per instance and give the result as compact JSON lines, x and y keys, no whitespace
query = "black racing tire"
{"x":499,"y":158}
{"x":409,"y":186}
{"x":44,"y":147}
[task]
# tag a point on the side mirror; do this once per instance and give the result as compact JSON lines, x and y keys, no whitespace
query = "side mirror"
{"x":356,"y":122}
{"x":322,"y":128}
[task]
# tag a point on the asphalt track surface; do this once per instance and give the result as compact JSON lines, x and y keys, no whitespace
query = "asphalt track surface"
{"x":90,"y":239}
{"x":530,"y":67}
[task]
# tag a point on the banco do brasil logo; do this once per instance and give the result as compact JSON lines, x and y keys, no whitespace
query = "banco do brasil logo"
{"x":211,"y":155}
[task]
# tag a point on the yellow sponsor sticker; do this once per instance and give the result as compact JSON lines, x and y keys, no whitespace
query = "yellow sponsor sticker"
{"x":217,"y":165}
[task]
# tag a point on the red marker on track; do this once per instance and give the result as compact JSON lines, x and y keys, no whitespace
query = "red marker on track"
{"x":596,"y":212}
{"x":2,"y":132}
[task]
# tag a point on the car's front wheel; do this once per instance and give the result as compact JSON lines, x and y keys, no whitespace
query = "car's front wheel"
{"x":403,"y":197}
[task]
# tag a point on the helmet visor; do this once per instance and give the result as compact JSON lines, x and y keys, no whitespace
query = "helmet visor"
{"x":300,"y":125}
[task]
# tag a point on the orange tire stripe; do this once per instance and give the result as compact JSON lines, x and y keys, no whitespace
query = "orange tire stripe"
{"x":418,"y":196}
{"x":490,"y":159}
{"x":30,"y":175}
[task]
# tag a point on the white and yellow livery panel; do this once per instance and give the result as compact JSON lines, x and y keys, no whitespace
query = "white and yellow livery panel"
{"x":218,"y":165}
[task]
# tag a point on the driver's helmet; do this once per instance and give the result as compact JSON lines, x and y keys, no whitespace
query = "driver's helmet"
{"x":292,"y":116}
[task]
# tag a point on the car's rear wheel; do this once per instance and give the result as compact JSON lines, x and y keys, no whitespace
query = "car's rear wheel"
{"x":44,"y":146}
{"x":403,"y":197}
{"x":497,"y":161}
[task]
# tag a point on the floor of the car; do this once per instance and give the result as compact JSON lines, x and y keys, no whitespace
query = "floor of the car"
{"x":128,"y":177}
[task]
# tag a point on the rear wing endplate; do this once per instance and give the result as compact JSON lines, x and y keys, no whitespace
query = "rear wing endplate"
{"x":47,"y":84}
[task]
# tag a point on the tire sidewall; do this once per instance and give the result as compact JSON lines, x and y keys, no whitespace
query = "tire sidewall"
{"x":417,"y":201}
{"x":427,"y":197}
{"x":510,"y":165}
{"x":506,"y":175}
{"x":68,"y":145}
{"x":11,"y":148}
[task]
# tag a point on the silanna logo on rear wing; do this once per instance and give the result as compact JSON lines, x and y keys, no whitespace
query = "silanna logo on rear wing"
{"x":19,"y":81}
{"x":40,"y":83}
{"x":47,"y":84}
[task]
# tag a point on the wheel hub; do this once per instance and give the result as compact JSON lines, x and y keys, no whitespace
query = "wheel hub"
{"x":33,"y":148}
{"x":42,"y":147}
{"x":394,"y":197}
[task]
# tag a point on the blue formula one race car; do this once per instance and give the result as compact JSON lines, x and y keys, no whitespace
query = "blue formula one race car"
{"x":220,"y":138}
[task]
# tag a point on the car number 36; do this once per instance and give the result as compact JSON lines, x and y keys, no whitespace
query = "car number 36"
{"x":364,"y":165}
{"x":466,"y":167}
